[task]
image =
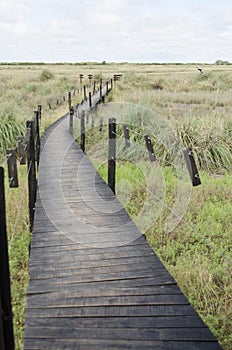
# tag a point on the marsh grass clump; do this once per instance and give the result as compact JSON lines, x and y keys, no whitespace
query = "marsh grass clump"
{"x":46,"y":75}
{"x":210,"y":141}
{"x":10,"y":128}
{"x":158,"y":84}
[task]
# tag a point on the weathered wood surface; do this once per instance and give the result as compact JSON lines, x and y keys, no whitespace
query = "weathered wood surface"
{"x":95,"y":283}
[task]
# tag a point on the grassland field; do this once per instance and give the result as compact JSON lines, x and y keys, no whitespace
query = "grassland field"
{"x":199,"y":107}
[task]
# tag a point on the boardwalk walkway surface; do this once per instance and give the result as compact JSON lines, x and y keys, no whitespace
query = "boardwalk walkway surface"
{"x":95,"y":283}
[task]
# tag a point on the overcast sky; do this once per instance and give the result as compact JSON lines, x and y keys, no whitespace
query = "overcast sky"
{"x":116,"y":30}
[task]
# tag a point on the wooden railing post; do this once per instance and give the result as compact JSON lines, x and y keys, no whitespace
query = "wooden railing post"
{"x":21,"y":150}
{"x":150,"y":148}
{"x":126,"y":135}
{"x":192,"y":168}
{"x":40,"y":111}
{"x":100,"y":128}
{"x":71,"y":114}
{"x":6,"y":316}
{"x":90,"y":100}
{"x":69,"y":100}
{"x":85,"y":97}
{"x":32,"y":183}
{"x":12,"y":167}
{"x":101,"y":90}
{"x":82,"y":145}
{"x":36,"y":136}
{"x":112,"y":154}
{"x":107,"y":88}
{"x":90,"y":76}
{"x":81,"y":79}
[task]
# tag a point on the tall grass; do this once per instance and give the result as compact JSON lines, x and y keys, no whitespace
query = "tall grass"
{"x":10,"y":128}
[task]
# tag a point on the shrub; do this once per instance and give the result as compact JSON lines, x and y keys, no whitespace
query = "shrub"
{"x":46,"y":75}
{"x":157,"y":85}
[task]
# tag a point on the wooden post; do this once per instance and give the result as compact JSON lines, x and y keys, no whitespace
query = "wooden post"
{"x":126,"y":135}
{"x":21,"y":150}
{"x":71,"y":114}
{"x":107,"y":88}
{"x":49,"y":105}
{"x":90,"y":100}
{"x":6,"y":316}
{"x":100,"y":124}
{"x":111,"y":84}
{"x":150,"y":148}
{"x":93,"y":120}
{"x":32,"y":184}
{"x":85,"y":97}
{"x":192,"y":168}
{"x":94,"y":86}
{"x":37,"y":138}
{"x":69,"y":100}
{"x":12,"y":167}
{"x":2,"y":344}
{"x":82,"y":145}
{"x":40,"y":111}
{"x":90,"y":76}
{"x":112,"y":154}
{"x":100,"y":92}
{"x":81,"y":78}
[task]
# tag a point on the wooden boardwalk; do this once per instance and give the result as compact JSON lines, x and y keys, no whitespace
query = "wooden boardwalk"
{"x":95,"y":283}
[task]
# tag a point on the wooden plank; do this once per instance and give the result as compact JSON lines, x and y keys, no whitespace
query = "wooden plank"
{"x":118,"y":322}
{"x":71,"y":272}
{"x":101,"y":290}
{"x":159,"y":275}
{"x":117,"y":283}
{"x":131,"y":300}
{"x":114,"y":311}
{"x":160,"y":334}
{"x":82,"y":255}
{"x":86,"y":344}
{"x":91,"y":264}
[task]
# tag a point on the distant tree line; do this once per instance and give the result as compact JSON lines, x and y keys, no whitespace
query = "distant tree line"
{"x":222,"y":62}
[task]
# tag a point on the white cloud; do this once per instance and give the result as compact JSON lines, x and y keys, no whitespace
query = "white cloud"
{"x":115,"y":30}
